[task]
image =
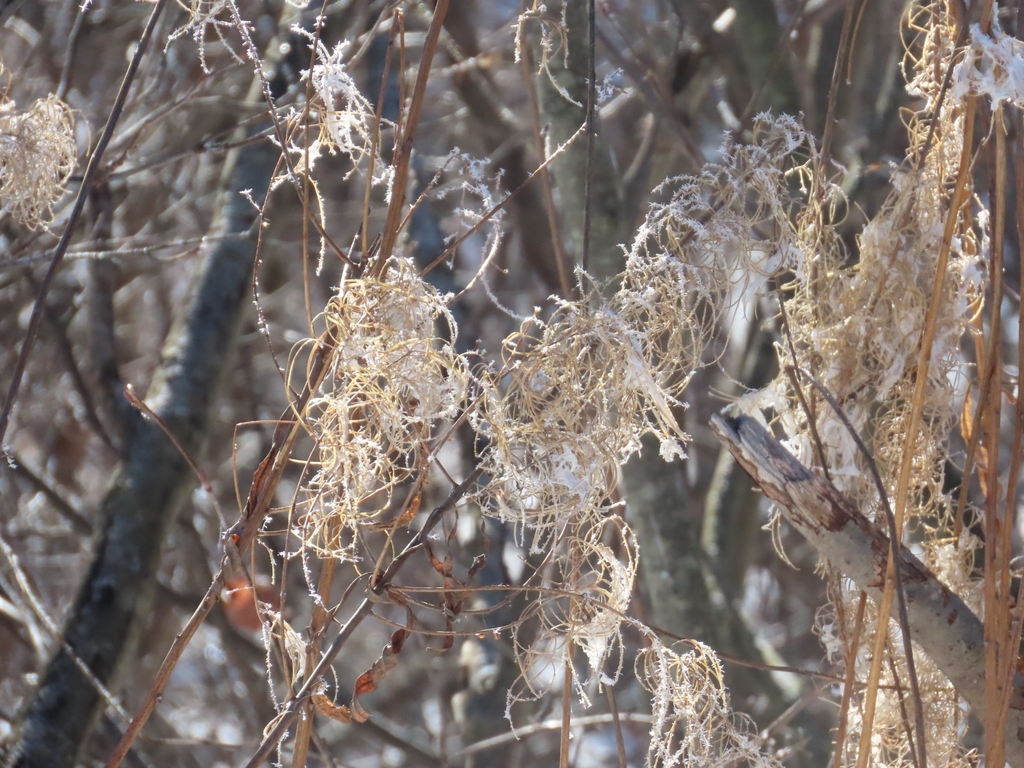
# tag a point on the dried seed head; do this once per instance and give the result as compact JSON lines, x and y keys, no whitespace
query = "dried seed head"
{"x":37,"y":156}
{"x":592,"y":584}
{"x":720,"y":236}
{"x":692,"y":722}
{"x":392,"y":380}
{"x":578,"y":397}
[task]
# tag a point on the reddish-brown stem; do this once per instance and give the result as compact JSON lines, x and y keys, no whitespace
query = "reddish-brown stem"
{"x":276,"y":731}
{"x":403,"y":156}
{"x":235,"y":542}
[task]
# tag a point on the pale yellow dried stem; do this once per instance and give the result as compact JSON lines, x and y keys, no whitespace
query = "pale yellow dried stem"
{"x":851,"y":674}
{"x":997,"y":569}
{"x":917,"y":406}
{"x":563,"y":744}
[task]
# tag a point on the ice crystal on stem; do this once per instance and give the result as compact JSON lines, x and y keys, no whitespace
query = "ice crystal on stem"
{"x":693,"y":723}
{"x":993,"y":65}
{"x":345,"y":116}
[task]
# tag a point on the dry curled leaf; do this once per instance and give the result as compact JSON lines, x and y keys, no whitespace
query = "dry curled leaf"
{"x":369,"y":680}
{"x":328,"y":708}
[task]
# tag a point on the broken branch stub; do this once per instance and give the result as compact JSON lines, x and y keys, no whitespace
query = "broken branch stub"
{"x":940,"y":622}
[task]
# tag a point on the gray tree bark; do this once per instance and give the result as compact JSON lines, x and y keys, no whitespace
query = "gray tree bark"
{"x":563,"y":118}
{"x":151,"y":485}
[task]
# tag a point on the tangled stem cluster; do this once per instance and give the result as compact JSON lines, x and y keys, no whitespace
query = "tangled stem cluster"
{"x":37,"y":156}
{"x":391,"y":379}
{"x":576,"y":392}
{"x":693,"y":723}
{"x":858,"y":329}
{"x":574,"y":395}
{"x":578,"y":398}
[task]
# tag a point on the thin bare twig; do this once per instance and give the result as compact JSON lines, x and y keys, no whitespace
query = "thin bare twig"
{"x":547,"y":725}
{"x":277,"y":730}
{"x":851,"y":676}
{"x":403,"y":156}
{"x":235,"y":543}
{"x":563,"y":740}
{"x":499,"y":205}
{"x":76,"y":211}
{"x":620,"y":744}
{"x":64,"y":508}
{"x":785,"y":44}
{"x":833,"y":91}
{"x":36,"y":606}
{"x":526,"y":61}
{"x":812,"y":423}
{"x":139,"y":404}
{"x":60,"y":333}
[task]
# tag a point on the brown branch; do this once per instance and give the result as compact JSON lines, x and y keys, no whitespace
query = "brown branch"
{"x":403,"y":155}
{"x":942,"y":623}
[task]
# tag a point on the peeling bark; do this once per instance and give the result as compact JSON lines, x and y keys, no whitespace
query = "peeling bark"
{"x":941,"y":623}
